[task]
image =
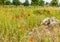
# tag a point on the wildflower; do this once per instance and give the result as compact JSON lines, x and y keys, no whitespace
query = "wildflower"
{"x":17,"y":17}
{"x":28,"y":14}
{"x":38,"y":11}
{"x":48,"y":11}
{"x":30,"y":39}
{"x":19,"y":27}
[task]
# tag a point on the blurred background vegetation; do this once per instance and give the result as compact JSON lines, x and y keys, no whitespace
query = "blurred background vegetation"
{"x":33,"y":3}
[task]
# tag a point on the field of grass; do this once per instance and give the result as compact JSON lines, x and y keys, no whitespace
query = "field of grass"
{"x":22,"y":24}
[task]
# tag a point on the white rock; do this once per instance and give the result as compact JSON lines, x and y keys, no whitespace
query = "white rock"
{"x":53,"y":20}
{"x":45,"y":21}
{"x":50,"y":21}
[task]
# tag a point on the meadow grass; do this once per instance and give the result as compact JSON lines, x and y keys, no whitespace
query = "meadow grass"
{"x":22,"y":24}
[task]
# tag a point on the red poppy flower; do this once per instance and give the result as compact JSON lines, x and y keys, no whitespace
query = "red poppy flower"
{"x":17,"y":17}
{"x":38,"y":11}
{"x":19,"y":27}
{"x":30,"y":39}
{"x":28,"y":14}
{"x":48,"y":11}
